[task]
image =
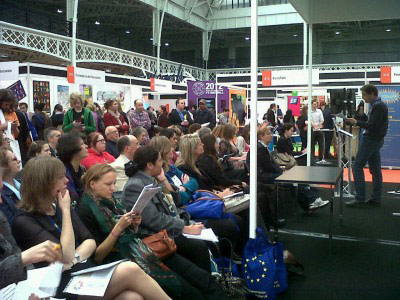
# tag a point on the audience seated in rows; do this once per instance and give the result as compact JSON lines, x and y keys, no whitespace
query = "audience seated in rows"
{"x":51,"y":136}
{"x":115,"y":233}
{"x":112,"y":136}
{"x":39,"y":148}
{"x":127,"y":146}
{"x":46,"y":215}
{"x":173,"y":138}
{"x":185,"y":184}
{"x":97,"y":151}
{"x":71,"y":151}
{"x":11,"y":190}
{"x":161,"y":212}
{"x":141,"y":134}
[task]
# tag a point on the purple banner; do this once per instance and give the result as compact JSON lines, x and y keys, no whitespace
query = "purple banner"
{"x":206,"y":90}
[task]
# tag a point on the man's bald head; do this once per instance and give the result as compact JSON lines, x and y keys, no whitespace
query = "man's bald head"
{"x":139,"y":105}
{"x":127,"y":145}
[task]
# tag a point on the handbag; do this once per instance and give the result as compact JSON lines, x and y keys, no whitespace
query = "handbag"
{"x":205,"y":205}
{"x":285,"y":160}
{"x":161,"y":244}
{"x":228,"y":276}
{"x":264,"y":270}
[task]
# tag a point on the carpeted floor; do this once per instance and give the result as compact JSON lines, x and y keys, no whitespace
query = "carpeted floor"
{"x":363,"y":260}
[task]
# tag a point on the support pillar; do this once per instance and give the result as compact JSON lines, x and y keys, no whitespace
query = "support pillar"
{"x":310,"y":66}
{"x":206,"y":43}
{"x":253,"y":119}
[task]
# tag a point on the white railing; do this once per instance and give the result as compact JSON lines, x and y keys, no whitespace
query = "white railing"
{"x":59,"y":46}
{"x":211,"y":73}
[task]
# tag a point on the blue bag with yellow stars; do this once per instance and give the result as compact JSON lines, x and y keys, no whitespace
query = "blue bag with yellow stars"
{"x":263,"y":268}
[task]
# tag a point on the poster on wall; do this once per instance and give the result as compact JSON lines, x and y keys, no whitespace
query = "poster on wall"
{"x":86,"y":91}
{"x":389,"y":152}
{"x":237,"y":107}
{"x":63,"y":95}
{"x":18,"y":90}
{"x":41,"y":94}
{"x":103,"y":96}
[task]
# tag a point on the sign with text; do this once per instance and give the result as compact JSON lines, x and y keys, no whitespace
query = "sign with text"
{"x":71,"y":74}
{"x":89,"y":76}
{"x":161,"y":86}
{"x":266,"y":78}
{"x":390,"y":74}
{"x":288,"y":77}
{"x":9,"y":70}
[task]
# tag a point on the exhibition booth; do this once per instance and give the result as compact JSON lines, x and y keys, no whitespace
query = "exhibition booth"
{"x":36,"y":83}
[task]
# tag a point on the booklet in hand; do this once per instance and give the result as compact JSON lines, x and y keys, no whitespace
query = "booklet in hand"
{"x":148,"y":192}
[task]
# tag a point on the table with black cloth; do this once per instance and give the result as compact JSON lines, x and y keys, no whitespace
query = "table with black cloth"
{"x":332,"y":176}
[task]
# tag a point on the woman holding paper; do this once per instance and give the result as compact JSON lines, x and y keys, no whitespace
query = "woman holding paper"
{"x":47,"y":216}
{"x":114,"y":231}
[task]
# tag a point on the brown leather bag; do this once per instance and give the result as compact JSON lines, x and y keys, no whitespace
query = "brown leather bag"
{"x":161,"y":244}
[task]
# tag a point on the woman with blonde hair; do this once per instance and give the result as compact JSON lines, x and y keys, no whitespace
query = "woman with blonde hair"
{"x":191,"y":152}
{"x":47,"y":215}
{"x":186,"y":185}
{"x":78,"y":118}
{"x":217,"y":132}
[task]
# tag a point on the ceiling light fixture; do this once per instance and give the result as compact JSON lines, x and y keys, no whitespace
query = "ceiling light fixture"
{"x":337,"y":32}
{"x":108,"y":71}
{"x":97,"y":23}
{"x":59,"y":11}
{"x":127,"y":32}
{"x":388,"y":30}
{"x":247,"y":38}
{"x":166,"y":44}
{"x":151,"y":39}
{"x":295,"y":35}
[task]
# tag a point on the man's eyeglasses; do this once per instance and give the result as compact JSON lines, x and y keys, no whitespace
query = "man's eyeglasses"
{"x":113,"y":132}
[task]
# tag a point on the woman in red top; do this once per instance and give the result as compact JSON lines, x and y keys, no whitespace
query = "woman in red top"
{"x":97,"y":151}
{"x":113,"y":118}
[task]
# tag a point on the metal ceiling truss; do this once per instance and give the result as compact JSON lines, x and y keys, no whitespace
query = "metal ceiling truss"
{"x":59,"y":47}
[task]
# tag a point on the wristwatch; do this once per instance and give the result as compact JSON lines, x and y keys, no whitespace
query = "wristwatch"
{"x":78,"y":258}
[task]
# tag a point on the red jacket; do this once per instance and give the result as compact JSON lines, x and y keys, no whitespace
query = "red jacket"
{"x":96,"y":158}
{"x":110,"y":120}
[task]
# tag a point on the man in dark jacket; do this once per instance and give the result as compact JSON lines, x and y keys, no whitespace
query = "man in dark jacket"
{"x":328,"y":124}
{"x":204,"y":115}
{"x":40,"y":120}
{"x":375,"y":131}
{"x":270,"y":116}
{"x":24,"y":138}
{"x":180,"y":116}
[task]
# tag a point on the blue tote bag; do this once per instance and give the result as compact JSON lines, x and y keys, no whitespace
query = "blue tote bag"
{"x":264,"y":271}
{"x":205,"y":205}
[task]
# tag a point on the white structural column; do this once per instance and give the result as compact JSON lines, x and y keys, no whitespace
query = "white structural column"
{"x":159,"y":35}
{"x":310,"y":68}
{"x":74,"y":21}
{"x":253,"y":119}
{"x":207,"y":36}
{"x":305,"y":46}
{"x":156,"y":29}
